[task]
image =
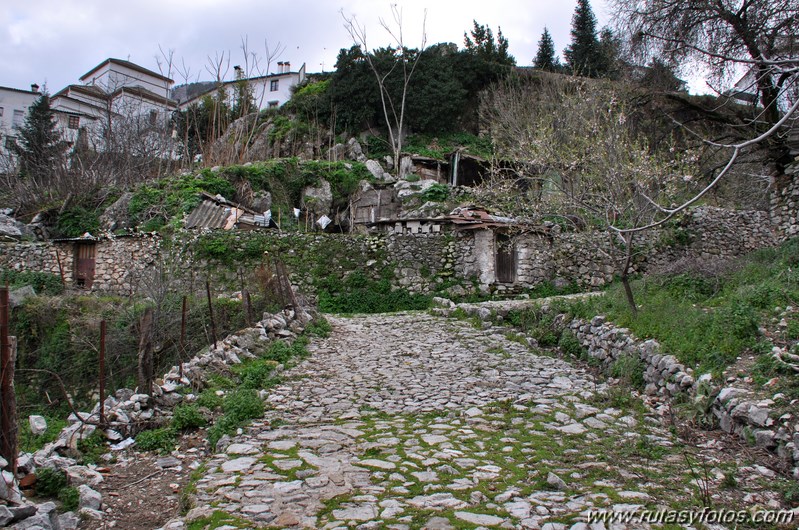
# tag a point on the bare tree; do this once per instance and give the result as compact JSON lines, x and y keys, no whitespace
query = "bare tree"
{"x":584,"y":161}
{"x":405,"y":63}
{"x":724,"y":34}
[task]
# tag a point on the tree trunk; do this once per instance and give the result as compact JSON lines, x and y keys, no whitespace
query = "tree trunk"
{"x":625,"y":274}
{"x":145,"y":372}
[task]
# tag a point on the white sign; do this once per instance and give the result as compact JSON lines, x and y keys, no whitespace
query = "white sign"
{"x":324,"y":221}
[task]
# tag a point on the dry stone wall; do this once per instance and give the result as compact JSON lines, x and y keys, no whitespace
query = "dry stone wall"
{"x":785,"y":203}
{"x":458,"y":261}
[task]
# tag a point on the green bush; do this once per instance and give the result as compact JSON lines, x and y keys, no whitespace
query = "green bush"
{"x":570,"y":345}
{"x":92,"y":448}
{"x":161,"y":440}
{"x":43,"y":283}
{"x":50,"y":481}
{"x":257,"y":374}
{"x":243,"y":405}
{"x":209,"y":399}
{"x":630,"y":369}
{"x":187,"y":416}
{"x":70,"y":498}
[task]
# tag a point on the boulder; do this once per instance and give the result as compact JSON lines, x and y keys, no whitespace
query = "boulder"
{"x":38,"y":424}
{"x":10,"y":227}
{"x":89,"y":498}
{"x":319,"y":199}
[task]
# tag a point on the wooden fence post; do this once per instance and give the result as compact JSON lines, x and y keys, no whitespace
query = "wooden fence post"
{"x":102,"y":372}
{"x":211,"y":311}
{"x":145,"y":374}
{"x":8,"y":407}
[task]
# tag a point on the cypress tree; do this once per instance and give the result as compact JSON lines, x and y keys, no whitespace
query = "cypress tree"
{"x":583,"y":56}
{"x":39,"y":145}
{"x":545,"y":58}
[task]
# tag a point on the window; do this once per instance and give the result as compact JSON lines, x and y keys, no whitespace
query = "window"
{"x":153,"y":118}
{"x":1,"y":112}
{"x":273,"y":85}
{"x":10,"y":141}
{"x":272,"y":104}
{"x":74,"y":121}
{"x":19,"y":115}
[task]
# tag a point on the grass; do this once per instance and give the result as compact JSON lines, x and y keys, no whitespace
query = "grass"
{"x":707,"y":319}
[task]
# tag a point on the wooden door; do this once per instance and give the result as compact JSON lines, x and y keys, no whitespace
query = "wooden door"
{"x":84,"y":264}
{"x":505,"y":259}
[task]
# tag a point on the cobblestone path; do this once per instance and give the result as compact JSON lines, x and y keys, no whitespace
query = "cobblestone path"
{"x":415,"y":421}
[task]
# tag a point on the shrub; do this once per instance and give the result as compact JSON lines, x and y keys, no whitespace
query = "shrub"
{"x":92,"y":448}
{"x":70,"y":498}
{"x":161,"y":440}
{"x":570,"y":345}
{"x":243,"y":405}
{"x":257,"y":374}
{"x":209,"y":399}
{"x":50,"y":481}
{"x":630,"y":369}
{"x":187,"y":416}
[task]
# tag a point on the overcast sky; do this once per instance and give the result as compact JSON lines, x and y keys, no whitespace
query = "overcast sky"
{"x":54,"y":42}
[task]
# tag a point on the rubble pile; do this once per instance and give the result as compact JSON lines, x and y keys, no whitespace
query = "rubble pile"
{"x":128,"y":412}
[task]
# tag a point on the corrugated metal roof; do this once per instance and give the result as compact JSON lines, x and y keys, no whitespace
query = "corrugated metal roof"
{"x":218,"y":212}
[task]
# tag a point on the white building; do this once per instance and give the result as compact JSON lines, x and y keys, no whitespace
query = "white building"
{"x":14,"y":105}
{"x":115,"y":95}
{"x":269,"y":91}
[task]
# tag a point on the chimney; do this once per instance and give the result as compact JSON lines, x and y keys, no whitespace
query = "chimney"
{"x":34,"y":88}
{"x":239,"y":73}
{"x":288,"y":67}
{"x":280,"y":67}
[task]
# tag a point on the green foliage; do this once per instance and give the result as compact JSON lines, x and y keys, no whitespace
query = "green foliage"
{"x":70,"y":498}
{"x":258,"y":373}
{"x":38,"y":143}
{"x":545,"y":58}
{"x":50,"y":481}
{"x":583,"y":56}
{"x":77,"y":220}
{"x":42,"y":282}
{"x":209,"y":399}
{"x":169,"y":197}
{"x":436,"y":193}
{"x":357,"y":293}
{"x":570,"y":345}
{"x":319,"y":327}
{"x":243,"y":405}
{"x":186,"y":417}
{"x":481,"y":42}
{"x":708,"y":320}
{"x":92,"y":448}
{"x":30,"y":443}
{"x":160,"y":440}
{"x":630,"y":369}
{"x":239,"y":407}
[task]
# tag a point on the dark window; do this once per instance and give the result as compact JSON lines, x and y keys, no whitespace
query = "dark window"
{"x":10,"y":141}
{"x":272,"y":104}
{"x":1,"y":112}
{"x":273,"y":85}
{"x":153,"y":117}
{"x":74,"y":121}
{"x":19,"y":117}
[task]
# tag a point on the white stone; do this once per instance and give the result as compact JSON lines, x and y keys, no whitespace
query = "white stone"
{"x":38,"y":424}
{"x":479,"y":518}
{"x":237,"y":465}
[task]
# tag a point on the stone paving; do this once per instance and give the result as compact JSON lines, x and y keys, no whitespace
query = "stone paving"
{"x":415,"y":421}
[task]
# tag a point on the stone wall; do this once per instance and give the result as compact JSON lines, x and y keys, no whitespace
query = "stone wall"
{"x":424,"y":263}
{"x":785,"y":203}
{"x":119,"y":262}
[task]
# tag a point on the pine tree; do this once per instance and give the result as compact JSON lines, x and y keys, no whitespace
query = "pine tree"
{"x":583,"y":56}
{"x":545,"y":58}
{"x":39,"y":145}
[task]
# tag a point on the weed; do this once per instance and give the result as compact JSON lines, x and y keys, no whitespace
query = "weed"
{"x":70,"y":498}
{"x":92,"y":448}
{"x":630,"y":369}
{"x":50,"y":481}
{"x":161,"y":440}
{"x":187,"y":416}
